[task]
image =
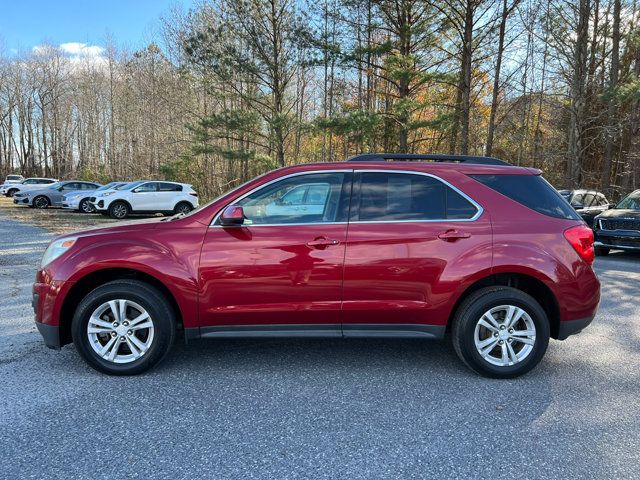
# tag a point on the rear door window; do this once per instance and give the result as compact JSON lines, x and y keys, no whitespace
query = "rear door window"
{"x":389,"y":197}
{"x":532,"y":191}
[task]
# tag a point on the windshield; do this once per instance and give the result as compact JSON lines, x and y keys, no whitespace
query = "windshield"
{"x":14,"y":177}
{"x":631,"y":201}
{"x":108,"y":186}
{"x":565,"y":193}
{"x":55,"y":185}
{"x":127,"y":186}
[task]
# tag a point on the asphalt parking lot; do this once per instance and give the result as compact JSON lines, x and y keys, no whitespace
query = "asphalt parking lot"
{"x":318,"y":408}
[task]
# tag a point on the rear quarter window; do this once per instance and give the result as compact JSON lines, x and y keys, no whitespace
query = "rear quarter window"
{"x":532,"y":191}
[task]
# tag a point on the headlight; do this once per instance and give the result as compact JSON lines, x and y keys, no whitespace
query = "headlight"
{"x":106,"y":194}
{"x":55,"y":249}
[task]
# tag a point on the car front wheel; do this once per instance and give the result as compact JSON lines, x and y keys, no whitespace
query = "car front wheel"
{"x":119,"y":210}
{"x":41,"y":202}
{"x":86,"y":207}
{"x":500,"y":332}
{"x":123,"y":327}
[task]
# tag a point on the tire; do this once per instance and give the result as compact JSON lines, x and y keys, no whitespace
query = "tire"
{"x":85,"y":206}
{"x":41,"y":202}
{"x":138,"y":296}
{"x":119,"y":210}
{"x":182,"y":207}
{"x":11,"y":192}
{"x":467,"y":332}
{"x":601,"y":251}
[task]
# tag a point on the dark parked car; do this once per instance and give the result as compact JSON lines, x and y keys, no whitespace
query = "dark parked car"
{"x":468,"y":245}
{"x":588,"y":203}
{"x":619,"y":227}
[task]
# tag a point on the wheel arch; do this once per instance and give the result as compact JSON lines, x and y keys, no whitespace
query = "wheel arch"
{"x":121,"y":200}
{"x":99,"y":277}
{"x":523,"y":282}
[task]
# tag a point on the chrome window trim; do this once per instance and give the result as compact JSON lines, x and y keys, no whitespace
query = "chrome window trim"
{"x":260,"y":187}
{"x":478,"y":207}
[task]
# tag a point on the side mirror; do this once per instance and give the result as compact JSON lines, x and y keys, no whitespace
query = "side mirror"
{"x":60,"y":188}
{"x":232,"y":216}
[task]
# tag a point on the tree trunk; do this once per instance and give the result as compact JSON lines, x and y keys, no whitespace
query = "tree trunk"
{"x":612,"y":125}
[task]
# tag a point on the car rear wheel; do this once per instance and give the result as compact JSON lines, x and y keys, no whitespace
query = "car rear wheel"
{"x":119,"y":210}
{"x":86,"y":207}
{"x":183,"y":207}
{"x":601,"y":251}
{"x":41,"y":202}
{"x":500,"y":332}
{"x":124,"y":327}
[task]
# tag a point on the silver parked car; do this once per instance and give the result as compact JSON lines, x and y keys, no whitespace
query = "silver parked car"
{"x":51,"y":196}
{"x":80,"y":200}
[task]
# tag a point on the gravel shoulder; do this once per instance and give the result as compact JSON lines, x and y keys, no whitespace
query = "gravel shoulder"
{"x":317,"y":408}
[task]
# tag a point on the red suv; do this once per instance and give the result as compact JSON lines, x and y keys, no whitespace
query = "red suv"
{"x":473,"y":246}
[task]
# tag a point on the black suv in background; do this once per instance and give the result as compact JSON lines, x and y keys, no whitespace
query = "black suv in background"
{"x":619,"y":227}
{"x":588,"y":203}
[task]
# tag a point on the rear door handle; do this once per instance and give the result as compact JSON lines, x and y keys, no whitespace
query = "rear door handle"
{"x":453,"y":235}
{"x":322,"y":242}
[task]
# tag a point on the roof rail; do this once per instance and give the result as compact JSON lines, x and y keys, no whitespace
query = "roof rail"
{"x":436,"y":157}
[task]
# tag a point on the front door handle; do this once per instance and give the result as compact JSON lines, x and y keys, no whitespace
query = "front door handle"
{"x":453,"y":235}
{"x":322,"y":242}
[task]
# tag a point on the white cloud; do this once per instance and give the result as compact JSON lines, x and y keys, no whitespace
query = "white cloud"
{"x":79,"y":55}
{"x":81,"y":49}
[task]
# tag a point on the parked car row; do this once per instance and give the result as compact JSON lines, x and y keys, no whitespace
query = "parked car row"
{"x":615,"y":226}
{"x":116,"y":199}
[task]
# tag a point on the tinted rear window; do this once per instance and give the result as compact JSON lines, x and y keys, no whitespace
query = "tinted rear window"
{"x":532,"y":191}
{"x":409,"y":197}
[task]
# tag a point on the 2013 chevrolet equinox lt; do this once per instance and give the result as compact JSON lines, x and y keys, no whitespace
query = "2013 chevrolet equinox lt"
{"x":365,"y":248}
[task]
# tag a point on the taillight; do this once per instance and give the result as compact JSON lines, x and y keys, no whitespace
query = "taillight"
{"x":581,"y":239}
{"x":193,"y":194}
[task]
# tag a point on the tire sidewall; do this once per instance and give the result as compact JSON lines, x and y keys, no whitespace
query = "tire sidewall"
{"x":475,"y":311}
{"x":83,"y":202}
{"x":35,"y":202}
{"x":112,"y":207}
{"x":177,"y":207}
{"x":151,"y":300}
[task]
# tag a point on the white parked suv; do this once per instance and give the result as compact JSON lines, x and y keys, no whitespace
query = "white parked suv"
{"x":32,"y":183}
{"x":146,"y":196}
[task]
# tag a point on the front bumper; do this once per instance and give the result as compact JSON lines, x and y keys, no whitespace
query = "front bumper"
{"x":572,"y":327}
{"x":617,"y":239}
{"x":71,"y":204}
{"x":47,"y":300}
{"x":22,"y":200}
{"x":50,"y":335}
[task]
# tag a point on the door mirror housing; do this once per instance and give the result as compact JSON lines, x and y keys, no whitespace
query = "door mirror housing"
{"x":232,"y":216}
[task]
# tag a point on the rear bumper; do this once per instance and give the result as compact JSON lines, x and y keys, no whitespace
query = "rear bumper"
{"x":572,"y":327}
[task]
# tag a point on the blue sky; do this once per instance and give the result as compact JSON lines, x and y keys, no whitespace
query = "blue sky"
{"x":27,"y":23}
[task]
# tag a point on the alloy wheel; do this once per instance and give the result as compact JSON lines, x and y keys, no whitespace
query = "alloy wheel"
{"x":505,"y":335}
{"x":86,"y":207}
{"x":120,"y":331}
{"x":41,"y":202}
{"x":119,"y":210}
